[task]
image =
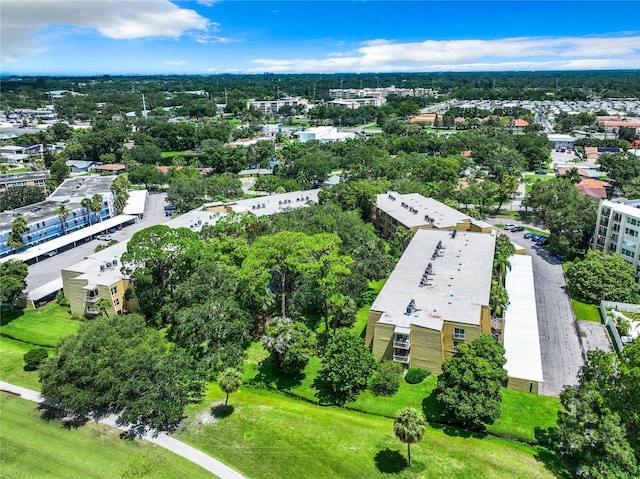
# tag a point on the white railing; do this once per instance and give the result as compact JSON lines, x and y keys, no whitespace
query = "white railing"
{"x":401,"y":359}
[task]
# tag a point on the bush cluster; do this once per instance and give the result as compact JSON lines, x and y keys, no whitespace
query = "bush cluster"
{"x":416,"y":375}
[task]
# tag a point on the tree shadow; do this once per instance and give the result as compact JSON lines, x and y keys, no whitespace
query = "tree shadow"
{"x":7,"y":315}
{"x":326,"y":396}
{"x":51,"y":412}
{"x":270,"y":375}
{"x":432,"y":410}
{"x":220,"y":411}
{"x":390,"y":462}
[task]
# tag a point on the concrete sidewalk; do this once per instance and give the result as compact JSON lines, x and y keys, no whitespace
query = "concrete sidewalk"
{"x":161,"y":439}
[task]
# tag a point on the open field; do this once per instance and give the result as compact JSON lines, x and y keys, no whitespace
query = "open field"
{"x":171,"y":154}
{"x":37,"y":449}
{"x":264,"y":435}
{"x":43,"y":327}
{"x":12,"y":363}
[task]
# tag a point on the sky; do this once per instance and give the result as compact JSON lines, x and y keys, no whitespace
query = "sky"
{"x":96,"y":37}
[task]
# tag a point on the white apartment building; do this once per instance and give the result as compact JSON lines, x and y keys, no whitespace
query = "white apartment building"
{"x":272,"y":106}
{"x":618,"y":228}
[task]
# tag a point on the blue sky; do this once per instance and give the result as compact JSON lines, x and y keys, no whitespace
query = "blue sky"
{"x":61,"y":37}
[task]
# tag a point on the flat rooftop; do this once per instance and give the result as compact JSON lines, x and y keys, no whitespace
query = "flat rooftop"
{"x":75,"y":189}
{"x":521,"y":339}
{"x":101,"y":268}
{"x":269,"y":205}
{"x":414,"y":210}
{"x":457,"y":289}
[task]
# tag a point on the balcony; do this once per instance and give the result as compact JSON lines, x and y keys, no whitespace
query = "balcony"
{"x":91,"y":298}
{"x":401,"y":358}
{"x":91,"y":310}
{"x":402,"y":344}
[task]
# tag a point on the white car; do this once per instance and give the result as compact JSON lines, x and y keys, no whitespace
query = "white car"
{"x":104,"y":237}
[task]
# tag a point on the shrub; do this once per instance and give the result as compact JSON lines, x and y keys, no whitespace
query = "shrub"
{"x":416,"y":375}
{"x":33,"y":358}
{"x":386,"y":380}
{"x":61,"y":300}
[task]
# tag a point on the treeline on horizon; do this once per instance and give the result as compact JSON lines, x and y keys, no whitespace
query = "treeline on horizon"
{"x":561,"y":85}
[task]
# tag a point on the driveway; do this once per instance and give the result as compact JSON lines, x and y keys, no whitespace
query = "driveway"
{"x":563,"y":340}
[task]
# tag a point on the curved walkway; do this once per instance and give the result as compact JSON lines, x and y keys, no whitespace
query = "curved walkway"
{"x":161,"y":439}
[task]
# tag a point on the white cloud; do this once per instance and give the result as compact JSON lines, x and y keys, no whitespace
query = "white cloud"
{"x":524,"y":53}
{"x":175,"y":63}
{"x":208,"y":3}
{"x":22,"y":20}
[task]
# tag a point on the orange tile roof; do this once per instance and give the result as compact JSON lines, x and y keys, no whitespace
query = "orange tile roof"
{"x":520,"y":122}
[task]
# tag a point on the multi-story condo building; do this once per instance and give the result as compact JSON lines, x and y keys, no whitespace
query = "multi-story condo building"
{"x":272,"y":106}
{"x":44,"y":221}
{"x":354,"y":103}
{"x":435,"y":298}
{"x":34,"y":178}
{"x":414,"y":212}
{"x":618,"y":228}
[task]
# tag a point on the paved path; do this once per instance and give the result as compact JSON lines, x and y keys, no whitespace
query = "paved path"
{"x":161,"y":439}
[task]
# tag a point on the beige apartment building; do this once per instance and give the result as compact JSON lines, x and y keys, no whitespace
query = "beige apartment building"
{"x":414,"y":212}
{"x":436,"y":297}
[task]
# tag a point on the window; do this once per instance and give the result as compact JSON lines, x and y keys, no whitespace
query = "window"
{"x":116,"y":302}
{"x":631,"y":232}
{"x":114,"y":290}
{"x":458,"y":333}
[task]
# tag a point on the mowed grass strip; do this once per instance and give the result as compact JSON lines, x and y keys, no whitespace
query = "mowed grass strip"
{"x":12,"y":364}
{"x":522,"y":413}
{"x":37,"y":449}
{"x":43,"y":326}
{"x":267,"y":435}
{"x":586,"y":312}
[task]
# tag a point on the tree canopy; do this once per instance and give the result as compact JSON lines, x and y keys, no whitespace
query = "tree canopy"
{"x":12,"y":280}
{"x":117,"y":365}
{"x":602,"y":276}
{"x":469,"y":388}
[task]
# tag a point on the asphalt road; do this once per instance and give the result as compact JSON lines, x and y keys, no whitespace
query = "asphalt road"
{"x":563,"y":340}
{"x":49,"y":269}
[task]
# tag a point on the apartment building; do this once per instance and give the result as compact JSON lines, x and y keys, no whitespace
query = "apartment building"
{"x":415,"y":212}
{"x":355,"y":103}
{"x":272,"y":106}
{"x":43,"y":220}
{"x":34,"y":178}
{"x":435,"y":298}
{"x":618,"y":228}
{"x":100,"y":275}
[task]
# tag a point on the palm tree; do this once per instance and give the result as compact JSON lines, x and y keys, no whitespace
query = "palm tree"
{"x":96,"y":206}
{"x":230,"y":381}
{"x":86,"y":204}
{"x":63,"y":213}
{"x":18,"y":228}
{"x":409,"y":427}
{"x":503,"y":250}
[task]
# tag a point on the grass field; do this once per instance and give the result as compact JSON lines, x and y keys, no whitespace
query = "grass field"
{"x":171,"y":154}
{"x":12,"y":363}
{"x":37,"y":449}
{"x":522,"y":413}
{"x":267,"y":435}
{"x":584,"y":311}
{"x":44,"y":326}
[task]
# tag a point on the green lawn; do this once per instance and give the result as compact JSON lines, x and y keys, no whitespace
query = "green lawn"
{"x":522,"y":413}
{"x":11,"y":364}
{"x":363,"y":313}
{"x":43,"y":326}
{"x":170,"y":154}
{"x":264,"y":434}
{"x":37,"y":449}
{"x":586,"y":312}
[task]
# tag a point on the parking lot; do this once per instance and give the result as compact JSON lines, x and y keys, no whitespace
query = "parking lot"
{"x":49,"y":268}
{"x":563,"y":340}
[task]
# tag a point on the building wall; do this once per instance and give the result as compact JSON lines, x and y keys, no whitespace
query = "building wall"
{"x":383,"y":341}
{"x":471,"y":332}
{"x":73,"y":291}
{"x":618,"y":232}
{"x":523,"y":385}
{"x":372,"y":320}
{"x":426,"y":349}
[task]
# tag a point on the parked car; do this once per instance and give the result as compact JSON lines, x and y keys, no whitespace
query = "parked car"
{"x":534,"y":238}
{"x":104,"y":237}
{"x":542,"y":240}
{"x":517,"y":229}
{"x":541,"y":172}
{"x":528,"y":234}
{"x":508,"y":226}
{"x":51,"y":253}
